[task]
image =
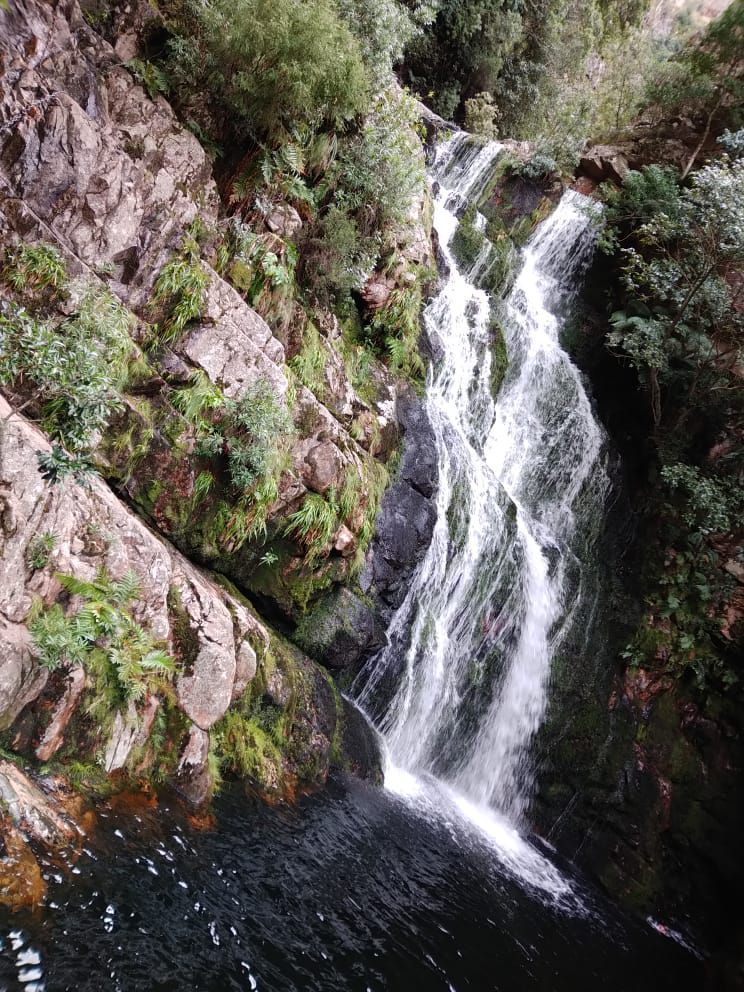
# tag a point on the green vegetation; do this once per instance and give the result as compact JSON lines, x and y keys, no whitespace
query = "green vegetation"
{"x":481,"y":115}
{"x":252,"y":433}
{"x":398,"y":326}
{"x":368,"y":190}
{"x":310,"y":362}
{"x":314,"y":524}
{"x":33,"y":269}
{"x":468,"y":240}
{"x":677,"y":322}
{"x":124,"y":660}
{"x":70,"y":371}
{"x":261,"y":67}
{"x":40,"y":550}
{"x":499,"y":356}
{"x":180,"y":290}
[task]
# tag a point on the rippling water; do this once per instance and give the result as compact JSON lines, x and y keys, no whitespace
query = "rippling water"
{"x":353,"y":889}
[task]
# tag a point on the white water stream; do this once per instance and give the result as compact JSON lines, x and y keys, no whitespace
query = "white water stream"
{"x":521,"y":491}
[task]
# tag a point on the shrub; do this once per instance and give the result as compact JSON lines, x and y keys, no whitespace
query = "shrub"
{"x":33,"y":269}
{"x":380,"y":171}
{"x":310,"y":362}
{"x":314,"y":523}
{"x":481,"y":115}
{"x":76,"y":368}
{"x":125,"y":660}
{"x":180,"y":290}
{"x":399,"y":326}
{"x":385,"y":28}
{"x":40,"y":550}
{"x":266,"y":66}
{"x":251,"y":433}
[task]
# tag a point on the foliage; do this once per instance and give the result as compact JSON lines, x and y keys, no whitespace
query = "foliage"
{"x":398,"y":326}
{"x":33,"y":269}
{"x":180,"y":289}
{"x":57,"y":465}
{"x":385,"y":28}
{"x":463,"y":51}
{"x":262,"y":268}
{"x":40,"y":549}
{"x":150,"y":76}
{"x":199,"y":398}
{"x":72,"y":370}
{"x":706,"y":78}
{"x":310,"y":362}
{"x":677,"y":320}
{"x":251,"y":433}
{"x":103,"y":636}
{"x":468,"y":240}
{"x":679,"y":314}
{"x":379,"y":172}
{"x":314,"y":523}
{"x":265,"y":66}
{"x":481,"y":115}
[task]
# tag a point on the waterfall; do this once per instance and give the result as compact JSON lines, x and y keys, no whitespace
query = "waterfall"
{"x":521,"y":491}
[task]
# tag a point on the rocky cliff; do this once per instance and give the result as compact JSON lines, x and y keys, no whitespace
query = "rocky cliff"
{"x":240,"y":441}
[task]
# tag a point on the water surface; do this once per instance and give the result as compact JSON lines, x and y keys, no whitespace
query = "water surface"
{"x":355,"y":888}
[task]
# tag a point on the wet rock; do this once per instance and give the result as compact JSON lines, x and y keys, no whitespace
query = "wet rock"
{"x":130,"y":729}
{"x":360,"y":743}
{"x":21,"y":882}
{"x":407,"y":515}
{"x":193,"y":779}
{"x":39,"y":815}
{"x":53,"y":736}
{"x":340,"y":630}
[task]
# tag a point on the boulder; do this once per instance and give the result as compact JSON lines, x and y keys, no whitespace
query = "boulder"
{"x":284,"y":220}
{"x":323,"y":467}
{"x":604,"y":162}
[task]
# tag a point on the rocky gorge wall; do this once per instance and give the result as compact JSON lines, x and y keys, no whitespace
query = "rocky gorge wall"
{"x":108,"y":179}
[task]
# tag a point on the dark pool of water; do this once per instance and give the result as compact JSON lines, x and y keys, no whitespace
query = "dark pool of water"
{"x":349,"y":890}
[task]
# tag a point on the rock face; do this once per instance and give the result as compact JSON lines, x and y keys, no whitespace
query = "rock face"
{"x":91,"y":165}
{"x":408,"y":513}
{"x":220,"y":644}
{"x":347,"y":627}
{"x":603,"y":162}
{"x":28,"y":812}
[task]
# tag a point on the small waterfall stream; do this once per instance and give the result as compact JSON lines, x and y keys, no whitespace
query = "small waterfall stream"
{"x":521,"y":491}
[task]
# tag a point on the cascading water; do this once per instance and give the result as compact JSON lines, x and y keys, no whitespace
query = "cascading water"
{"x":521,"y":489}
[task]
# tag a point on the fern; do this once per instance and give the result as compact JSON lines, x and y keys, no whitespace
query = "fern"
{"x":314,"y":523}
{"x":181,"y":287}
{"x":124,"y":660}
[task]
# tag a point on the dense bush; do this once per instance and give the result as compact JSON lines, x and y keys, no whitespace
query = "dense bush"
{"x":250,"y":433}
{"x":261,"y":67}
{"x":72,"y":371}
{"x":676,"y":319}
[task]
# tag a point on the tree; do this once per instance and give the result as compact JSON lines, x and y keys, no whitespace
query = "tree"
{"x":681,"y":326}
{"x":266,"y":66}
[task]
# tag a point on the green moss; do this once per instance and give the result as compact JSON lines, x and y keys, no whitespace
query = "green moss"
{"x":499,"y":357}
{"x":468,"y":240}
{"x":184,"y":639}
